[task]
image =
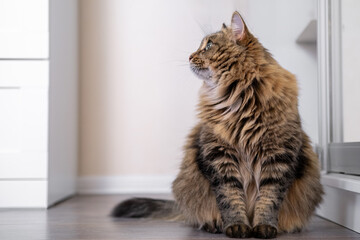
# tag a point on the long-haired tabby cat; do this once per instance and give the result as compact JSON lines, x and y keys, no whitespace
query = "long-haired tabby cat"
{"x":248,"y":169}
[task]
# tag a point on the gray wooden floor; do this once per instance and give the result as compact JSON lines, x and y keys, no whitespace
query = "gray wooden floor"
{"x":86,"y":217}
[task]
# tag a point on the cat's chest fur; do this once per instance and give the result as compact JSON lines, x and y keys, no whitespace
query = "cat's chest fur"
{"x":232,"y":161}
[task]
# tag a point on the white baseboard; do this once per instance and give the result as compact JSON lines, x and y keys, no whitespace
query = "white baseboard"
{"x":23,"y":193}
{"x":124,"y":184}
{"x":341,"y":200}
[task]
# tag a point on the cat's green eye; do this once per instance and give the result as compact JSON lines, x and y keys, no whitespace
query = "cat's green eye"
{"x":208,"y":45}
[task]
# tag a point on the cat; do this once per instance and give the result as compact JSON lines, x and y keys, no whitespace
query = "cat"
{"x":249,"y":169}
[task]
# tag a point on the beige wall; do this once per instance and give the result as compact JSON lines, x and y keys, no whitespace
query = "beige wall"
{"x":137,"y":96}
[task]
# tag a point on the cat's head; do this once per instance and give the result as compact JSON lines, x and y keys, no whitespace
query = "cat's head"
{"x":220,"y":52}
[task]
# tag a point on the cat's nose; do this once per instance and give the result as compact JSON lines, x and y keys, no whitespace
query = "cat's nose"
{"x":191,"y":57}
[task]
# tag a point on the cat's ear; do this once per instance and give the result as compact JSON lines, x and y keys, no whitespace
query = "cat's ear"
{"x":224,"y":26}
{"x":238,"y":27}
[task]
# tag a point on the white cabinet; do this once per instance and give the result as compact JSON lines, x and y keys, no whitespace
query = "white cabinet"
{"x":24,"y":29}
{"x":38,"y":101}
{"x":23,"y":122}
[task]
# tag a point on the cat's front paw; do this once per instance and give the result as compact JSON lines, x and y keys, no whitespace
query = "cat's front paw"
{"x":238,"y":231}
{"x":264,"y":231}
{"x":211,"y":227}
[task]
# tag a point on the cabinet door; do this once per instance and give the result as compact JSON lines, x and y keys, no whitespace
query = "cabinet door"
{"x":24,"y":29}
{"x":23,"y":121}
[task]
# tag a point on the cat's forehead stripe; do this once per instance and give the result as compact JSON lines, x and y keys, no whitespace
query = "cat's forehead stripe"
{"x":211,"y":36}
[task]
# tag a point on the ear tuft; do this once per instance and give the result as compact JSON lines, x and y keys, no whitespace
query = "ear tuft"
{"x":238,"y":26}
{"x":224,"y":26}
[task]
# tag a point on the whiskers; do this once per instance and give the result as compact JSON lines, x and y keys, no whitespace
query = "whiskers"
{"x":178,"y":58}
{"x":183,"y":65}
{"x":180,"y":63}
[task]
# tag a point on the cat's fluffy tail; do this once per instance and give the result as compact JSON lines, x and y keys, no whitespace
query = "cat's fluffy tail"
{"x":147,"y":208}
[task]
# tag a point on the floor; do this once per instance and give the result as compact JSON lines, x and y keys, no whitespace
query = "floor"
{"x":87,"y":217}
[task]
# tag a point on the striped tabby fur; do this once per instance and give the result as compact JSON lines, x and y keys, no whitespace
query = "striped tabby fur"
{"x":248,"y":169}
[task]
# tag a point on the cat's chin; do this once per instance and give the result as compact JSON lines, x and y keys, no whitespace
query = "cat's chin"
{"x":202,"y":73}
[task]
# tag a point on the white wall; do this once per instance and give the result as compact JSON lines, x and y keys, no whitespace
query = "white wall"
{"x":63,"y":99}
{"x":350,"y":69}
{"x":138,"y":96}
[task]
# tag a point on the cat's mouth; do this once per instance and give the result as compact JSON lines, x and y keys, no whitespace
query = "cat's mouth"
{"x":203,"y":73}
